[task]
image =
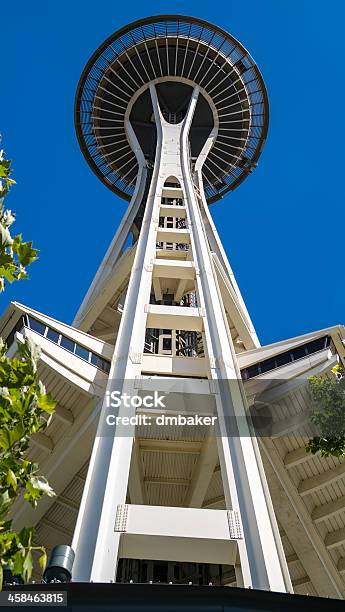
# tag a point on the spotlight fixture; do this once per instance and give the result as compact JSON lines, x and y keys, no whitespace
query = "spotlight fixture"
{"x":59,"y":568}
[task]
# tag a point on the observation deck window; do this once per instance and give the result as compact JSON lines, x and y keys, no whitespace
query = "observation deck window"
{"x":51,"y":334}
{"x":67,"y":344}
{"x":37,"y":326}
{"x":100,"y":363}
{"x":81,"y":352}
{"x":295,"y":354}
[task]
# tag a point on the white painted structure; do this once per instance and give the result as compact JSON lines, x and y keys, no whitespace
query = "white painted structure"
{"x":95,"y":541}
{"x":198,"y":494}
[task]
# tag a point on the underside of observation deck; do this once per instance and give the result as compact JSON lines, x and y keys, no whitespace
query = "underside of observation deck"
{"x":176,"y":53}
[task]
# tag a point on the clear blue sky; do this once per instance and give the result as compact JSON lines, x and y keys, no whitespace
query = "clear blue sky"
{"x":283,"y":228}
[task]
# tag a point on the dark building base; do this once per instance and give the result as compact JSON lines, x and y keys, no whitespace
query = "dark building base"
{"x":83,"y":597}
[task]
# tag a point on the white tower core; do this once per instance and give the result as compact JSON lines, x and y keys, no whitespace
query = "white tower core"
{"x":174,"y":136}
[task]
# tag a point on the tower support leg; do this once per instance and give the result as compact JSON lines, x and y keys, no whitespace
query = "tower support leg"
{"x":262,"y":559}
{"x":95,"y":541}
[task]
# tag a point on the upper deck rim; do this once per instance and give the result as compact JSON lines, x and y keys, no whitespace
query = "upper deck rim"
{"x":174,"y":18}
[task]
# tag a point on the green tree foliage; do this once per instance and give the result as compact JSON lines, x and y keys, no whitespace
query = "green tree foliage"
{"x":328,"y":414}
{"x":25,"y":409}
{"x":15,"y":255}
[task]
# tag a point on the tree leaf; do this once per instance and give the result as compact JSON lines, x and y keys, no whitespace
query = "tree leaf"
{"x":27,"y":566}
{"x":46,"y":403}
{"x":5,"y":439}
{"x":328,"y":414}
{"x":42,"y":560}
{"x":22,"y":402}
{"x":12,"y":480}
{"x":25,"y":536}
{"x":26,"y":254}
{"x":5,"y":502}
{"x":17,"y":433}
{"x":5,"y":236}
{"x":41,"y":484}
{"x":18,"y":560}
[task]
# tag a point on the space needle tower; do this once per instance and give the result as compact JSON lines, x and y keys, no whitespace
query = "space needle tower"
{"x":171,"y":114}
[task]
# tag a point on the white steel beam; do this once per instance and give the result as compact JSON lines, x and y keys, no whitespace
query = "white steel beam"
{"x":161,"y":480}
{"x":169,"y":446}
{"x":296,"y":457}
{"x":290,"y":424}
{"x":175,"y":366}
{"x":174,"y":317}
{"x":41,"y":440}
{"x":234,"y":306}
{"x":180,"y":289}
{"x":296,"y":582}
{"x":67,"y":503}
{"x":202,"y":474}
{"x":153,"y":547}
{"x":173,"y":522}
{"x":239,"y":576}
{"x":136,"y":487}
{"x":172,"y":192}
{"x":120,"y":237}
{"x":64,"y":414}
{"x":157,"y":289}
{"x":293,"y":558}
{"x":106,"y":334}
{"x":261,"y":553}
{"x":180,"y":236}
{"x":335,"y":538}
{"x":176,"y":385}
{"x":65,"y":531}
{"x":325,"y":511}
{"x":215,"y":242}
{"x":315,"y":483}
{"x":172,"y":268}
{"x":95,"y":542}
{"x":214,"y":501}
{"x":178,"y":212}
{"x":107,"y":288}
